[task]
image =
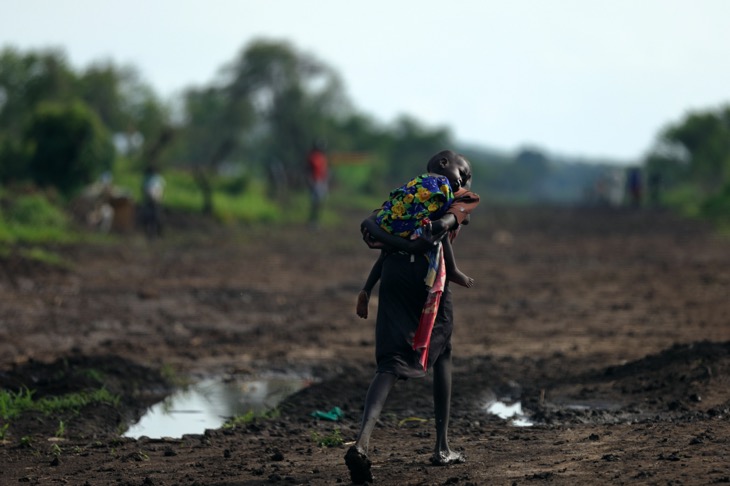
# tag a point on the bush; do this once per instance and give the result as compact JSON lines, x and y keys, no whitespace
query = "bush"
{"x":35,"y":210}
{"x":68,"y":146}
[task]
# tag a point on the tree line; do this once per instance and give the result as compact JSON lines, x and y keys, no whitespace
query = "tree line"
{"x":62,"y":127}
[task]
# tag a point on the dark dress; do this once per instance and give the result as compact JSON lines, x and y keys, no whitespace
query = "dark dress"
{"x":400,"y":302}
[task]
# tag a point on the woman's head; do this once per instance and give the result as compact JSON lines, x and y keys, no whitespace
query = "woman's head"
{"x":453,"y":166}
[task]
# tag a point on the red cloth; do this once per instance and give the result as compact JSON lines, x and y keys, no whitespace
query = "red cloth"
{"x":422,"y":338}
{"x":317,"y":162}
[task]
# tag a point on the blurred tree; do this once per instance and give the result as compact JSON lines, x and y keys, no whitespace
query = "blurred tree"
{"x":27,"y":80}
{"x":531,"y":169}
{"x":127,"y":106}
{"x":67,"y":146}
{"x":214,"y":126}
{"x":294,"y":96}
{"x":698,"y":147}
{"x":412,"y":146}
{"x":124,"y":105}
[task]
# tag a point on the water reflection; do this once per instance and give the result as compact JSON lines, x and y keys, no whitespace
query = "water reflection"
{"x":511,"y":412}
{"x":208,"y":404}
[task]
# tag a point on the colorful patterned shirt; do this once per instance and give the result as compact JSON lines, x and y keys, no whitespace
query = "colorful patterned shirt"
{"x":411,"y":206}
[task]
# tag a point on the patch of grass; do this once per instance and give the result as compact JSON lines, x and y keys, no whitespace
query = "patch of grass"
{"x":94,"y":374}
{"x":250,"y":416}
{"x":61,"y":430}
{"x":32,"y":218}
{"x":75,"y":401}
{"x":44,"y":256}
{"x":333,"y":439}
{"x":13,"y":404}
{"x":171,"y":376}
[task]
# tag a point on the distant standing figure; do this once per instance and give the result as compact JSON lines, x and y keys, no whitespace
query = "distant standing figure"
{"x":318,"y":178}
{"x":153,"y":188}
{"x":633,"y":184}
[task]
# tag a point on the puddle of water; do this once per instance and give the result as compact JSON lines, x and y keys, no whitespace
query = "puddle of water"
{"x":509,"y":411}
{"x":208,"y":404}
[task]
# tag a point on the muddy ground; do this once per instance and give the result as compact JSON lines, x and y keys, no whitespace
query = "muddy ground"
{"x":610,"y":327}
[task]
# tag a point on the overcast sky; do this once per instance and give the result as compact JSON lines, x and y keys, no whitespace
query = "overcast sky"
{"x":573,"y":77}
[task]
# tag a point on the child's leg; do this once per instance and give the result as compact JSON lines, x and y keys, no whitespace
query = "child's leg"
{"x":453,"y":274}
{"x":442,"y":454}
{"x":363,"y":297}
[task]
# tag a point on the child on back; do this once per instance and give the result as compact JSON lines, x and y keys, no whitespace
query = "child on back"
{"x":417,"y":208}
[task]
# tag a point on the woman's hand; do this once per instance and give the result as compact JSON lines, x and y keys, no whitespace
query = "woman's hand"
{"x":370,"y":240}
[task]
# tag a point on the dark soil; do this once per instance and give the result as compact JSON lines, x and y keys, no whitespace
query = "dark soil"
{"x":611,"y":327}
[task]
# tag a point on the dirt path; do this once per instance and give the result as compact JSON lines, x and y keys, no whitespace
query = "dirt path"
{"x":609,"y":327}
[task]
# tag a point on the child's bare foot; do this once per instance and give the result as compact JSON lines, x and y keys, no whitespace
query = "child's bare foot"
{"x":460,"y":278}
{"x":362,"y":304}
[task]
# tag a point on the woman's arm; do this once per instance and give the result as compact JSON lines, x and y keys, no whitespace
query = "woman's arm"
{"x":377,"y":238}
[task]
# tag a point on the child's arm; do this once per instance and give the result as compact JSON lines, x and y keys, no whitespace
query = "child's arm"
{"x":453,"y":274}
{"x":374,"y":273}
{"x":363,"y":298}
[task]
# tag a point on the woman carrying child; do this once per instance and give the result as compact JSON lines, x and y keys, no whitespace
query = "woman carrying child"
{"x":403,"y":295}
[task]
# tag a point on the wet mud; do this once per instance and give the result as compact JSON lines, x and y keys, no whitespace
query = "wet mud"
{"x":609,"y":327}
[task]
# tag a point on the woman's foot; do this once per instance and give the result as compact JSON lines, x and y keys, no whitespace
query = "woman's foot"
{"x":445,"y":458}
{"x":359,"y":466}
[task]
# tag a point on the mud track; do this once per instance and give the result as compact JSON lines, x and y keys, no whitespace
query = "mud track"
{"x":610,"y":327}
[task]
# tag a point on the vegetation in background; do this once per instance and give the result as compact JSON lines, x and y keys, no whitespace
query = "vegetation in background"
{"x":689,"y":166}
{"x":33,"y":218}
{"x":234,"y":148}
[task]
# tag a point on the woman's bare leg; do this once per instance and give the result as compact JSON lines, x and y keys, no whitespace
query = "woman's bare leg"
{"x":356,"y":458}
{"x":442,"y":454}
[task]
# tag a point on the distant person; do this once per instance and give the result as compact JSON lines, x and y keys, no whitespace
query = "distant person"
{"x":402,"y":349}
{"x":655,"y":186}
{"x":407,"y":215}
{"x":634,"y":187}
{"x":153,"y":188}
{"x":318,"y":179}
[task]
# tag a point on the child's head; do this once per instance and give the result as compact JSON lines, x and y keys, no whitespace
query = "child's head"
{"x":453,"y":166}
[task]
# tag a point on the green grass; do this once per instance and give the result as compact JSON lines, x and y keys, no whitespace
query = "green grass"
{"x":33,"y":218}
{"x":333,"y":439}
{"x":13,"y":404}
{"x":249,"y":417}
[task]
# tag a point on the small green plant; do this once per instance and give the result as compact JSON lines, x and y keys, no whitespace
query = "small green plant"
{"x":171,"y":376}
{"x":75,"y":401}
{"x":332,"y":439}
{"x":249,"y":417}
{"x":25,"y":441}
{"x":61,"y":430}
{"x":13,"y":404}
{"x":56,"y":450}
{"x":4,"y":430}
{"x":96,"y":375}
